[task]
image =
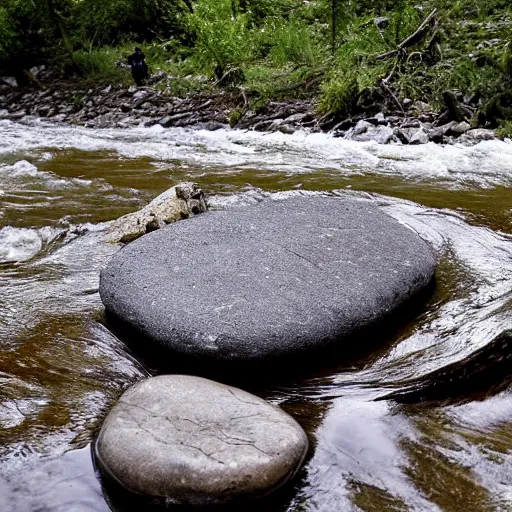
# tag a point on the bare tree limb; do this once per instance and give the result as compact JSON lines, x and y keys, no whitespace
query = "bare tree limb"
{"x":385,"y":86}
{"x":384,"y":83}
{"x":411,"y":40}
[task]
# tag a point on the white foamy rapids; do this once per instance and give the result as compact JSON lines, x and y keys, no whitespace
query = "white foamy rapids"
{"x":22,"y":244}
{"x":475,"y":313}
{"x":254,"y":195}
{"x":494,"y":412}
{"x":475,"y":435}
{"x":23,"y":172}
{"x":70,"y":271}
{"x":374,"y":444}
{"x":487,"y":164}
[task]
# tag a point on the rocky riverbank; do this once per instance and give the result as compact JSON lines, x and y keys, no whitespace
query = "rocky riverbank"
{"x":414,"y":123}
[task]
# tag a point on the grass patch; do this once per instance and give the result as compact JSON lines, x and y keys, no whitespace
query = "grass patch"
{"x":505,"y":130}
{"x":101,"y":67}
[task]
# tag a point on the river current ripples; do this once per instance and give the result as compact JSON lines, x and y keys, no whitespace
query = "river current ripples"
{"x":419,"y":418}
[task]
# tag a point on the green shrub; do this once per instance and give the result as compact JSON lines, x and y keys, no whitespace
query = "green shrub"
{"x":101,"y":66}
{"x":7,"y":34}
{"x":291,"y":42}
{"x":354,"y":70}
{"x":222,"y":38}
{"x":505,"y":130}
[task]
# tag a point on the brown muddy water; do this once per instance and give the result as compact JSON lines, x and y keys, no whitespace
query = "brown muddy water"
{"x":419,"y":417}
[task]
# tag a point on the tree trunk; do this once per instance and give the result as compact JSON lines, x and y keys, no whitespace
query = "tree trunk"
{"x":57,"y":21}
{"x":334,"y":16}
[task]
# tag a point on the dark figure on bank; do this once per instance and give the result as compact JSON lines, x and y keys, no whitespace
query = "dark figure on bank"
{"x":139,"y":66}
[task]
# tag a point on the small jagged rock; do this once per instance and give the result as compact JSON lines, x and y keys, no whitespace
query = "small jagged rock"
{"x":179,"y":202}
{"x":459,"y":128}
{"x":380,"y":134}
{"x":419,"y":137}
{"x":361,"y":127}
{"x":436,"y":135}
{"x":477,"y":135}
{"x":412,"y":135}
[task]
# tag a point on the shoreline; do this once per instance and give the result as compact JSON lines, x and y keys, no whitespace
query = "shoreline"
{"x":125,"y":107}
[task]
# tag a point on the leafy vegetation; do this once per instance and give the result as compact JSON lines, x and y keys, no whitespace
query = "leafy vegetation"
{"x":327,"y":49}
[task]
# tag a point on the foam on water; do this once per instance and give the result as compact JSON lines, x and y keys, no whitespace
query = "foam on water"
{"x":487,"y":164}
{"x":19,"y":244}
{"x":477,"y":313}
{"x":19,"y":169}
{"x":23,"y":244}
{"x":24,"y":173}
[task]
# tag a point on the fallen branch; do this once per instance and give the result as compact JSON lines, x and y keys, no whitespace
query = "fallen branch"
{"x":411,"y":40}
{"x":246,"y":103}
{"x":385,"y":86}
{"x":384,"y":83}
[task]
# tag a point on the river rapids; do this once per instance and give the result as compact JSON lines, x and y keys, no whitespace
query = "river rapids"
{"x":417,"y":419}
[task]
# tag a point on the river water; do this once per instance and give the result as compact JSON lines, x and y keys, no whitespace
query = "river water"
{"x":441,"y":441}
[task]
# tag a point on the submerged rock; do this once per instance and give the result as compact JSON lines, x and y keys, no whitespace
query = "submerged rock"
{"x":191,"y":441}
{"x":270,"y":280}
{"x":179,"y":202}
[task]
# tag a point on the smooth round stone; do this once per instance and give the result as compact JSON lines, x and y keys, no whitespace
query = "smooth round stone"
{"x":274,"y":279}
{"x":192,"y":441}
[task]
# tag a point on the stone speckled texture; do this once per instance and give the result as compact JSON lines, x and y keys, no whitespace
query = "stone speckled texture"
{"x":270,"y":280}
{"x":192,"y":441}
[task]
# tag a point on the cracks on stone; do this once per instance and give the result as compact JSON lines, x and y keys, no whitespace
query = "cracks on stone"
{"x":302,"y":257}
{"x":185,"y":419}
{"x":179,"y":443}
{"x":243,"y":442}
{"x":243,"y":401}
{"x":154,"y":414}
{"x":203,"y":430}
{"x":209,"y":455}
{"x":243,"y":417}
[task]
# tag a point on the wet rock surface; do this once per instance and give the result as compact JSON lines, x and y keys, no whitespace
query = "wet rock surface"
{"x":276,"y":279}
{"x":179,"y":202}
{"x":192,"y":441}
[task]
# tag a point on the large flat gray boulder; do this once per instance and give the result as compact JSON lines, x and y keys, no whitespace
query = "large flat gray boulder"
{"x":270,"y":280}
{"x":191,"y":441}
